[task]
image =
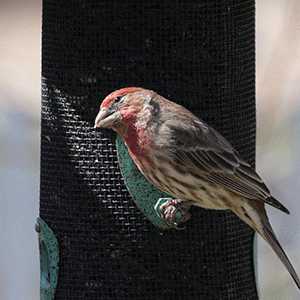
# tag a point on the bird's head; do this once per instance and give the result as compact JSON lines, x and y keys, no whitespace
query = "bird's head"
{"x":121,"y":107}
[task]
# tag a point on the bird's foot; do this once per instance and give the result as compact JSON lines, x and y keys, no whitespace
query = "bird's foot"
{"x":173,"y":211}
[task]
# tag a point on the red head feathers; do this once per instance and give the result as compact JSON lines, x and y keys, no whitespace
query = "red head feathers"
{"x":118,"y":93}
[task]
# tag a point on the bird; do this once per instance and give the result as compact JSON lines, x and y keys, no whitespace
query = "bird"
{"x":183,"y":156}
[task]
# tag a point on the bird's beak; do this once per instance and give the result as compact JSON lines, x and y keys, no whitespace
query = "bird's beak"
{"x":106,"y":118}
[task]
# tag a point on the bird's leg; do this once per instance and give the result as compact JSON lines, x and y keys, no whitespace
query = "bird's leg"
{"x":173,"y":211}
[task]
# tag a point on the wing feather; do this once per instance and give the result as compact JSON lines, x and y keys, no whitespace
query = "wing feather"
{"x":204,"y":151}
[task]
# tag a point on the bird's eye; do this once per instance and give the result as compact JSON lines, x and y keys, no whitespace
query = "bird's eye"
{"x":118,"y":99}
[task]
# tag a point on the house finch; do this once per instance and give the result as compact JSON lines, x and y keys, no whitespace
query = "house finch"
{"x":181,"y":155}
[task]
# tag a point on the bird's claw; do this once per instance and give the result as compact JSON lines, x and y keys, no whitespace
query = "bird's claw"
{"x":173,"y":212}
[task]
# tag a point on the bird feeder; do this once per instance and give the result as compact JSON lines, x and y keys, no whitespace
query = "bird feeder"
{"x":98,"y":239}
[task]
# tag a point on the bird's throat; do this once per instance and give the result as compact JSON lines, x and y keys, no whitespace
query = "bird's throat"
{"x":138,"y":143}
{"x":137,"y":136}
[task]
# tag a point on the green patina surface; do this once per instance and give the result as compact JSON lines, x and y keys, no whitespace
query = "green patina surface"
{"x":49,"y":259}
{"x":144,"y":194}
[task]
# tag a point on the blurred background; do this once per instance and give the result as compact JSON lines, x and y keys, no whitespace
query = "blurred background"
{"x":278,"y":142}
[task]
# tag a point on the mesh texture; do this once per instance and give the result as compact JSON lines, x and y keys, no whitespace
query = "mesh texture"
{"x":198,"y":53}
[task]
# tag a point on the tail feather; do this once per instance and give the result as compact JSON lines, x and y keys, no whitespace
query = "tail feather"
{"x":268,"y":234}
{"x":254,"y":214}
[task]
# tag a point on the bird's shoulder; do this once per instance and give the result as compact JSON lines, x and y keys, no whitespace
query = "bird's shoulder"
{"x":179,"y":126}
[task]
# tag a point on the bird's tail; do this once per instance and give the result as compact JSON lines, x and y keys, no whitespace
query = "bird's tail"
{"x":269,"y":235}
{"x":257,"y":218}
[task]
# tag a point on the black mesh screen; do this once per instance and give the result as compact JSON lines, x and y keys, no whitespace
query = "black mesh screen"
{"x":198,"y":53}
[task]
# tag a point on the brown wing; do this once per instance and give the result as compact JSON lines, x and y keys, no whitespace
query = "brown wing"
{"x":202,"y":149}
